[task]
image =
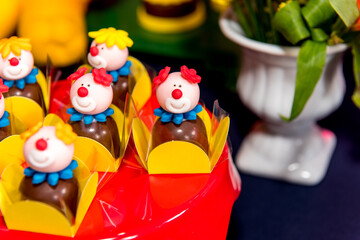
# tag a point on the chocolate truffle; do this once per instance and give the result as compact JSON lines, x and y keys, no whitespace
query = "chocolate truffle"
{"x":5,"y":132}
{"x":120,"y":89}
{"x":64,"y":194}
{"x":32,"y":91}
{"x":192,"y":131}
{"x":105,"y":133}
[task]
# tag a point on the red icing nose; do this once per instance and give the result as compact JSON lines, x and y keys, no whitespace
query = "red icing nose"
{"x":14,"y":61}
{"x":177,"y":93}
{"x":94,"y":51}
{"x":41,"y":144}
{"x":82,"y":92}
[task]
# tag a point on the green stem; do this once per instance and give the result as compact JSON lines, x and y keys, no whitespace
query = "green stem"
{"x":244,"y":23}
{"x":274,"y":34}
{"x":261,"y":19}
{"x":253,"y":20}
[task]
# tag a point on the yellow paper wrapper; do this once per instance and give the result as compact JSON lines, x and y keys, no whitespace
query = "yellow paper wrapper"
{"x":177,"y":157}
{"x":32,"y":216}
{"x":11,"y":151}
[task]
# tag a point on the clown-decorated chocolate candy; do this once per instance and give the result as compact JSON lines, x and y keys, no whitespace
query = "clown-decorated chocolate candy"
{"x":48,"y":152}
{"x":91,"y":95}
{"x":5,"y":129}
{"x":178,"y":95}
{"x":109,"y":50}
{"x":17,"y":69}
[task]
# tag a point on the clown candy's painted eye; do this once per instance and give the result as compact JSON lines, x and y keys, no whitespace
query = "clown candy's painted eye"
{"x":88,"y":85}
{"x":82,"y":84}
{"x":180,"y":85}
{"x":174,"y":85}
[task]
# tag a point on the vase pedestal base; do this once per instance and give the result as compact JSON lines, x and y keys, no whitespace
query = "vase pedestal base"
{"x":301,"y":159}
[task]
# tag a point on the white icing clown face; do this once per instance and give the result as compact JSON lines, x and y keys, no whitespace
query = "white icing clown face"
{"x":16,"y":67}
{"x":177,"y":95}
{"x":113,"y":58}
{"x":44,"y":152}
{"x":2,"y":106}
{"x":89,"y":97}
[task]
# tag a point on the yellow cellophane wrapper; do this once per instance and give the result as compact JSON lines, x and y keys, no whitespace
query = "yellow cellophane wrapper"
{"x":142,"y":90}
{"x":176,"y":157}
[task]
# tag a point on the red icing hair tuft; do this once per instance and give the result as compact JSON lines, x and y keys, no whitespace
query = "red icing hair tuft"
{"x":164,"y":73}
{"x":3,"y":87}
{"x":76,"y":75}
{"x":190,"y":75}
{"x":101,"y":77}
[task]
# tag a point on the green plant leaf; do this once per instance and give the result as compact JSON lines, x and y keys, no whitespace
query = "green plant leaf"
{"x":356,"y":97}
{"x":318,"y":35}
{"x":288,"y":21}
{"x":347,"y":10}
{"x":356,"y":65}
{"x":310,"y":64}
{"x":273,"y":33}
{"x":356,"y":59}
{"x":318,"y":12}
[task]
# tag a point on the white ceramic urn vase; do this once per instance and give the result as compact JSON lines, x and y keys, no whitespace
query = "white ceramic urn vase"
{"x":297,"y":151}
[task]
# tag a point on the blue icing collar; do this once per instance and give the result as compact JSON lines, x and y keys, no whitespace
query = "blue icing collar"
{"x":51,"y":178}
{"x":20,"y":83}
{"x":123,"y":71}
{"x":177,"y":118}
{"x":89,"y":118}
{"x":4,"y":121}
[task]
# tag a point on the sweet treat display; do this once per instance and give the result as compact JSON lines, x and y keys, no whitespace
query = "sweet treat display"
{"x":49,"y":178}
{"x":109,"y":50}
{"x":17,"y":70}
{"x":5,"y":129}
{"x":59,"y":197}
{"x":171,"y":16}
{"x":91,"y":95}
{"x":178,"y":94}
